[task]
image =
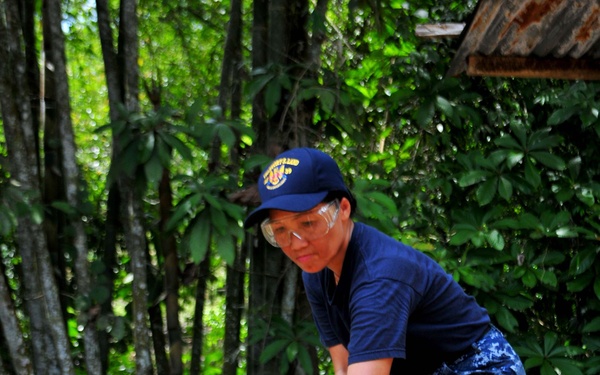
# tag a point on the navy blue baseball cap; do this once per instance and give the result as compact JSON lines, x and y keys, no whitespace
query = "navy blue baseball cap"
{"x":298,"y":180}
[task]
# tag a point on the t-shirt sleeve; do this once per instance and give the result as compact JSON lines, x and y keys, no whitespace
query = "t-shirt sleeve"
{"x":379,"y":317}
{"x":318,"y":306}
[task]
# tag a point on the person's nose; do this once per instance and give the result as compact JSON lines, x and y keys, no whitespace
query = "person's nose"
{"x":296,"y":241}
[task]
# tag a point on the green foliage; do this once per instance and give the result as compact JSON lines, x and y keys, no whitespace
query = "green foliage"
{"x":291,"y":341}
{"x":497,"y":179}
{"x":146,"y":145}
{"x":550,"y":357}
{"x":209,"y":218}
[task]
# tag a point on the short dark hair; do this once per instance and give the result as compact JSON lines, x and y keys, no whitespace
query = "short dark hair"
{"x":338,"y":194}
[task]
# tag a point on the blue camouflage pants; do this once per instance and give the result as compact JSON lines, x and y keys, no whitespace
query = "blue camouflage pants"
{"x":493,"y":355}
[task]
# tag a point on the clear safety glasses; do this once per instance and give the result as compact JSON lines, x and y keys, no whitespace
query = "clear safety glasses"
{"x":305,"y":226}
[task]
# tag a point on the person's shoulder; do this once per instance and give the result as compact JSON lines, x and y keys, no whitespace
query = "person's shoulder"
{"x":371,"y":242}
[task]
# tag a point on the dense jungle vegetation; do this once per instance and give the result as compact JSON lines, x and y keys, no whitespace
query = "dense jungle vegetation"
{"x":133,"y":133}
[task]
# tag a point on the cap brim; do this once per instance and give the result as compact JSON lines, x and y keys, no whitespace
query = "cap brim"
{"x":292,"y":203}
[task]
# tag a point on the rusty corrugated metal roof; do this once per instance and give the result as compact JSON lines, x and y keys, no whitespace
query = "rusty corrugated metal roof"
{"x":531,"y":38}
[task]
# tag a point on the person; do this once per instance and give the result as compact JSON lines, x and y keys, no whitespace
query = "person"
{"x":380,"y":306}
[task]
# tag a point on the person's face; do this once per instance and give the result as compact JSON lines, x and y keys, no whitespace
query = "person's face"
{"x":314,"y":255}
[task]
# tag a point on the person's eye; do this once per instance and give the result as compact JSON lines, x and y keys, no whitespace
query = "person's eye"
{"x":309,"y":222}
{"x":279,"y":230}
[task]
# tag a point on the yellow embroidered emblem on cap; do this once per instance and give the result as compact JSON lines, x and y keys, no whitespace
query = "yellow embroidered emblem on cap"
{"x":278,"y":171}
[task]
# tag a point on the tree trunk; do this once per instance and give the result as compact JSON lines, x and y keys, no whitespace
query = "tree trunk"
{"x":233,"y":313}
{"x":122,"y":80}
{"x":71,"y":175}
{"x":289,"y":47}
{"x":203,"y":274}
{"x":135,"y":240}
{"x":229,"y":102}
{"x":39,"y":282}
{"x":15,"y":112}
{"x":264,"y":302}
{"x":113,"y":224}
{"x":172,"y":274}
{"x":158,"y":339}
{"x":9,"y":322}
{"x":108,"y":256}
{"x":28,"y":20}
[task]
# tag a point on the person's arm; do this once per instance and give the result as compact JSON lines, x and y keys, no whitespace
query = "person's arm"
{"x":375,"y":367}
{"x":339,"y":358}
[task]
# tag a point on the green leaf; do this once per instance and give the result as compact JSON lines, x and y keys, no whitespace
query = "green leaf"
{"x":495,"y":239}
{"x":327,"y":101}
{"x":593,"y":326}
{"x":183,"y":209}
{"x":234,"y":211}
{"x":164,"y":152}
{"x":549,"y":160}
{"x":472,"y":177}
{"x":128,"y":159}
{"x":550,"y":339}
{"x":292,"y":351}
{"x":425,"y":113}
{"x":561,"y":115}
{"x":461,"y":237}
{"x":550,"y":258}
{"x":272,"y":97}
{"x":566,"y":232}
{"x":219,"y":220}
{"x":529,"y":221}
{"x":547,"y":369}
{"x":153,"y":169}
{"x":507,"y":141}
{"x":531,"y":362}
{"x":486,"y":191}
{"x":257,"y":84}
{"x":226,"y":135}
{"x":586,"y":196}
{"x":518,"y":302}
{"x":178,"y":145}
{"x":532,"y":175}
{"x":478,"y":239}
{"x":541,"y":140}
{"x":64,"y":207}
{"x":226,"y":248}
{"x":547,"y":277}
{"x":284,"y":366}
{"x":566,"y":366}
{"x":146,"y":146}
{"x":305,"y":360}
{"x":505,"y":188}
{"x":506,"y":319}
{"x":383,"y":200}
{"x":7,"y":222}
{"x":199,"y":238}
{"x":551,"y":219}
{"x":529,"y":279}
{"x":213,"y":201}
{"x":273,"y":349}
{"x":582,"y":261}
{"x":37,"y":213}
{"x":520,"y":133}
{"x":580,"y":283}
{"x":514,"y":158}
{"x":597,"y":287}
{"x":444,"y":105}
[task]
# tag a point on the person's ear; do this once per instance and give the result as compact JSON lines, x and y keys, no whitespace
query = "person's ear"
{"x":345,"y":208}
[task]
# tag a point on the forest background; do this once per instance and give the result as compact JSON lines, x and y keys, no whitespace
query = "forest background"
{"x":133,"y":133}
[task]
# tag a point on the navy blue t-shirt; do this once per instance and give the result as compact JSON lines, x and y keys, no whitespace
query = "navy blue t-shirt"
{"x":393,"y":301}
